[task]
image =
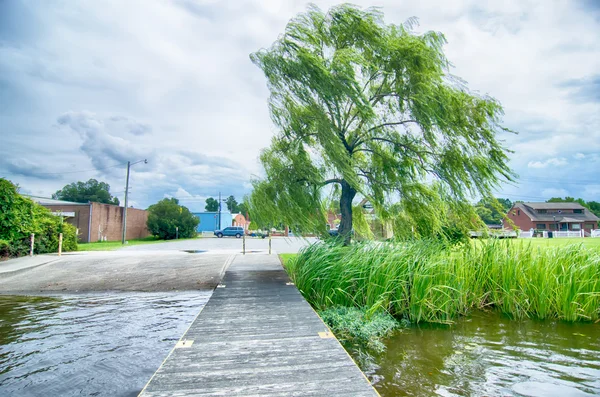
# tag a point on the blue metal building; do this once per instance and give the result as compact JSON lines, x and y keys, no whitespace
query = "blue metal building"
{"x":209,"y":221}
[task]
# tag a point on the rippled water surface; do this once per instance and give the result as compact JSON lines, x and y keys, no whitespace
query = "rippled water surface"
{"x":487,"y":354}
{"x":89,"y":345}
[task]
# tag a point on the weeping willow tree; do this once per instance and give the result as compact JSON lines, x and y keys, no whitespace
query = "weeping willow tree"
{"x":370,"y":109}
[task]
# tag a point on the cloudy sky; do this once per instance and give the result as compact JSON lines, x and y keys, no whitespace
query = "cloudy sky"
{"x":86,"y":86}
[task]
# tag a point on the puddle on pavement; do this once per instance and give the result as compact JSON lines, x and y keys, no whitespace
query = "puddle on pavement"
{"x":195,"y":251}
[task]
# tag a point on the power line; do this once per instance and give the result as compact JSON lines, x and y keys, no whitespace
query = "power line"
{"x":571,"y":182}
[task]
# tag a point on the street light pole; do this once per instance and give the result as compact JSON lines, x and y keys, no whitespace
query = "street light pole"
{"x":219,"y":211}
{"x":125,"y":208}
{"x":129,"y":164}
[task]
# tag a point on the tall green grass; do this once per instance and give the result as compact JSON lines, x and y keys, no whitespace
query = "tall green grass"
{"x":428,"y":281}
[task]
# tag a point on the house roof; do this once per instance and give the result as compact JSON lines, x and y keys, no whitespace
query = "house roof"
{"x":529,"y":210}
{"x":50,"y":201}
{"x":555,"y":206}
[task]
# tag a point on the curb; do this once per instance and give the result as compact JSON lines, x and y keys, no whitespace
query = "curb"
{"x":11,"y":273}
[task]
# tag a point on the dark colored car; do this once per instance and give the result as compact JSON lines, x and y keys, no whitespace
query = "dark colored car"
{"x":231,"y":231}
{"x":258,"y":234}
{"x":336,"y":233}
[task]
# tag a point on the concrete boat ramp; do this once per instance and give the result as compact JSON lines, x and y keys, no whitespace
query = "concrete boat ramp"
{"x":257,"y":336}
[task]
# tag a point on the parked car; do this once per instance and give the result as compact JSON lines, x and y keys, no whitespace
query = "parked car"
{"x":336,"y":233}
{"x":231,"y":231}
{"x":258,"y":233}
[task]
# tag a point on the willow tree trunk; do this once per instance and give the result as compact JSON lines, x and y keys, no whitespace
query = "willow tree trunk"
{"x":345,"y":229}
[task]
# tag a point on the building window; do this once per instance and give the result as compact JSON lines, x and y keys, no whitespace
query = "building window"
{"x":553,"y":226}
{"x":578,"y":211}
{"x":540,"y":226}
{"x":589,"y":226}
{"x":518,"y":212}
{"x":575,"y":226}
{"x":542,"y":211}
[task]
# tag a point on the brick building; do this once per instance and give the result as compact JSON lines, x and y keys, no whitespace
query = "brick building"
{"x":552,"y":216}
{"x":239,"y":220}
{"x":97,"y":221}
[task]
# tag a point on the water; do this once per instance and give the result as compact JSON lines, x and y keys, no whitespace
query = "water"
{"x":89,"y":345}
{"x":487,"y":354}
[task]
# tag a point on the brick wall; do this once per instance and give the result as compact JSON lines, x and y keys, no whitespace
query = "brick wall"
{"x":520,"y":219}
{"x":80,"y":220}
{"x":136,"y":223}
{"x":107,"y":222}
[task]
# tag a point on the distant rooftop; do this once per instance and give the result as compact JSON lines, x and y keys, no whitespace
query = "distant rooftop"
{"x":554,"y":206}
{"x":50,"y":201}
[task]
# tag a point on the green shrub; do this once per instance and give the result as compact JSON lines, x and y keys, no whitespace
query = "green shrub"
{"x":20,"y":216}
{"x":4,"y":248}
{"x":166,"y":215}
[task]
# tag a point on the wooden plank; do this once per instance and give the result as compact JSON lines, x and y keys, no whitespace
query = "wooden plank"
{"x":258,"y":336}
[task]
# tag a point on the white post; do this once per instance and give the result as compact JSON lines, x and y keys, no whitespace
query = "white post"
{"x":244,"y":243}
{"x":581,"y":233}
{"x":269,"y":242}
{"x":31,"y":249}
{"x":59,"y":243}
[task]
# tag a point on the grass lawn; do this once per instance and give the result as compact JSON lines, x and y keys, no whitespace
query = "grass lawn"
{"x":114,"y":245}
{"x":593,"y":243}
{"x":286,"y":257}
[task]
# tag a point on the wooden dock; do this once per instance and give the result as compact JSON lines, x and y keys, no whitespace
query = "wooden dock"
{"x":258,"y":336}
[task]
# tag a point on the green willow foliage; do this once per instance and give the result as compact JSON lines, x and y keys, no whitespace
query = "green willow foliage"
{"x":373,"y":110}
{"x":427,"y":281}
{"x":19,"y":217}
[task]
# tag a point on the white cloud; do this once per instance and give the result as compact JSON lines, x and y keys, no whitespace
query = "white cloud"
{"x":552,"y":161}
{"x":172,"y":81}
{"x":175,"y":172}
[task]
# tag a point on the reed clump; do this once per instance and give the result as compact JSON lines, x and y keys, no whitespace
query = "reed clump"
{"x":429,"y":281}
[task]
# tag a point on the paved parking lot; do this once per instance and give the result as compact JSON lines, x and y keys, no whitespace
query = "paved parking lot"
{"x":280,"y":245}
{"x":173,"y":266}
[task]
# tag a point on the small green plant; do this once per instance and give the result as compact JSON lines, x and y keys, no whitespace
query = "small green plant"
{"x":4,"y":249}
{"x":360,"y":327}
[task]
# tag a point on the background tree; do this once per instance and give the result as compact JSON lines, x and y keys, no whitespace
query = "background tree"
{"x":594,"y":206}
{"x":492,"y":210}
{"x":243,"y":209}
{"x":370,"y":109}
{"x":83,"y":192}
{"x":212,"y":205}
{"x":232,"y":205}
{"x":166,"y":215}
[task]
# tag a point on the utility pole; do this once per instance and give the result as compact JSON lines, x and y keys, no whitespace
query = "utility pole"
{"x":125,"y":208}
{"x":219,"y":211}
{"x":129,"y":164}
